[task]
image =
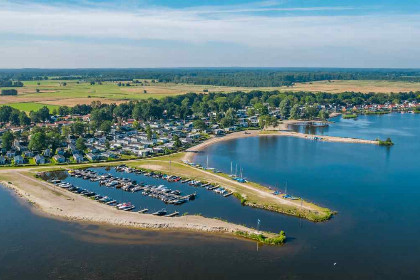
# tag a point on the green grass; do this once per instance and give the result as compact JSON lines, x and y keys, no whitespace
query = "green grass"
{"x":107,"y":90}
{"x":273,"y":239}
{"x":31,"y":106}
{"x":349,"y":116}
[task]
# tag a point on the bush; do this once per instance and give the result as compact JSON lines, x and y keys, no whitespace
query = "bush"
{"x":8,"y":92}
{"x":387,"y":142}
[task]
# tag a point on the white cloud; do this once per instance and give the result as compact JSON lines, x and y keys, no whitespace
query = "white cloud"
{"x":369,"y":40}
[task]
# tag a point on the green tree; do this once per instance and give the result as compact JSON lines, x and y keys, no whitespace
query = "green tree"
{"x":80,"y":144}
{"x":24,"y":119}
{"x":78,"y":128}
{"x":284,"y":108}
{"x":177,"y":142}
{"x":7,"y":140}
{"x":323,"y":115}
{"x":294,"y":112}
{"x":199,"y":124}
{"x":14,"y":117}
{"x":149,"y":132}
{"x":106,"y":126}
{"x":38,"y":141}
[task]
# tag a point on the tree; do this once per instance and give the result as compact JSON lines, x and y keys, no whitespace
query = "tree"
{"x":65,"y":131}
{"x":8,"y":92}
{"x":284,"y":108}
{"x":199,"y":124}
{"x":24,"y":119}
{"x":38,"y":141}
{"x":106,"y":126}
{"x":323,"y":115}
{"x":267,"y":120}
{"x":177,"y":142}
{"x":7,"y":140}
{"x":80,"y":144}
{"x":261,"y":109}
{"x":107,"y":144}
{"x":14,"y":117}
{"x":53,"y":139}
{"x":149,"y":132}
{"x":63,"y":110}
{"x":136,"y":125}
{"x":78,"y":128}
{"x":294,"y":112}
{"x":44,"y":113}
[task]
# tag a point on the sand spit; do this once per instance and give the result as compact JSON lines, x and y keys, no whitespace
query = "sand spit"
{"x":191,"y":152}
{"x":65,"y":205}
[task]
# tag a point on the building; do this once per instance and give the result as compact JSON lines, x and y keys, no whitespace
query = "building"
{"x":59,"y":159}
{"x":78,"y":158}
{"x":39,"y":159}
{"x":92,"y":157}
{"x":18,"y":159}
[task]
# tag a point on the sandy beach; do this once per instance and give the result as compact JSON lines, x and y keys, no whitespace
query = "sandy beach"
{"x":56,"y":202}
{"x":281,"y":130}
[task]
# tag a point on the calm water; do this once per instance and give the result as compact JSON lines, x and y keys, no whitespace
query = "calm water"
{"x":376,"y":191}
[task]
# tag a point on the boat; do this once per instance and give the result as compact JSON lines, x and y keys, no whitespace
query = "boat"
{"x":228,"y":194}
{"x":143,"y":211}
{"x":160,"y":212}
{"x":125,"y":206}
{"x":176,"y":213}
{"x":112,"y":202}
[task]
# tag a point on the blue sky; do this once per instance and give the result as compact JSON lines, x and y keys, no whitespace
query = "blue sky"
{"x":229,"y":33}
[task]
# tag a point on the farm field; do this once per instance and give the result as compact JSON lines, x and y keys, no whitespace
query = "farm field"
{"x":31,"y":106}
{"x":365,"y":86}
{"x":53,"y":93}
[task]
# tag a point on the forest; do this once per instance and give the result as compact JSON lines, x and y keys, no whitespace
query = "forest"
{"x":245,"y":77}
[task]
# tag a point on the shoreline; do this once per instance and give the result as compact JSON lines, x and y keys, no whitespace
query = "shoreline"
{"x":62,"y":205}
{"x":191,"y":152}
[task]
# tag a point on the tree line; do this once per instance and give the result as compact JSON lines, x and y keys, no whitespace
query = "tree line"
{"x":291,"y":105}
{"x":247,"y":77}
{"x":10,"y":83}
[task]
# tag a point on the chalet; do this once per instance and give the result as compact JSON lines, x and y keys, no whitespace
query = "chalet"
{"x":39,"y":159}
{"x":218,"y":132}
{"x":108,"y":155}
{"x":78,"y":158}
{"x":143,"y":153}
{"x":10,"y":154}
{"x":28,"y":154}
{"x":59,"y":159}
{"x":47,"y":153}
{"x":18,"y":159}
{"x":92,"y":157}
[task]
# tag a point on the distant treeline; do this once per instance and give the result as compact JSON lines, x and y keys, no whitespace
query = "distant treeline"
{"x":10,"y":83}
{"x":247,"y":77}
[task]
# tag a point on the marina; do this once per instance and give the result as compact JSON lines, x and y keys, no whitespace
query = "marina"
{"x":131,"y":189}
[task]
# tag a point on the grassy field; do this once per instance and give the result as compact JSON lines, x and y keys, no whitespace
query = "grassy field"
{"x":31,"y":106}
{"x":357,"y":86}
{"x":54,"y":93}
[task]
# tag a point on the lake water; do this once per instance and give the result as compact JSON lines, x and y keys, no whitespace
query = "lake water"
{"x":376,"y":191}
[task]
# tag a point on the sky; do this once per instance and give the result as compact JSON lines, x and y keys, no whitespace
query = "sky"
{"x":204,"y":33}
